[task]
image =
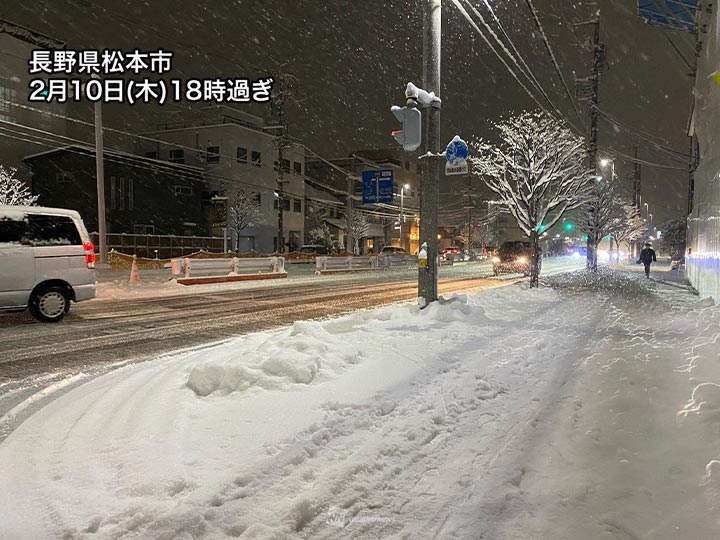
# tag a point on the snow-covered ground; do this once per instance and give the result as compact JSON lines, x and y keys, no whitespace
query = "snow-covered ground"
{"x":585,"y":409}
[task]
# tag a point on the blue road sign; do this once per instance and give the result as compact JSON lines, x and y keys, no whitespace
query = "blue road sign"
{"x":457,"y":151}
{"x":377,"y":186}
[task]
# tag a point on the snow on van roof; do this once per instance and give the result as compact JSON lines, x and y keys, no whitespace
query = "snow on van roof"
{"x":18,"y":212}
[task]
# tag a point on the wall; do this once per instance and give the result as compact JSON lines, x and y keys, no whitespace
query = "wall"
{"x":703,"y":258}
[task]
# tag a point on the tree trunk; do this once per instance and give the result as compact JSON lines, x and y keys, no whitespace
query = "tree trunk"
{"x":591,"y":255}
{"x":534,"y":260}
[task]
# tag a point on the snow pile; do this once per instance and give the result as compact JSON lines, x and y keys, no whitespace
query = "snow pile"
{"x":314,"y":352}
{"x":302,"y":354}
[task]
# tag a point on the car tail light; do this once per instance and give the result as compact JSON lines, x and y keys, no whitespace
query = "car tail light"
{"x":89,"y":255}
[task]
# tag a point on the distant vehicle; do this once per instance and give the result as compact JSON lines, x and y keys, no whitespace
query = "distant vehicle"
{"x":46,"y":261}
{"x":393,"y":250}
{"x":454,"y":251}
{"x":578,"y":252}
{"x":513,"y":258}
{"x":314,"y":249}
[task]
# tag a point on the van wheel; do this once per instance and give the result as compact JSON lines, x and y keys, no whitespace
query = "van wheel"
{"x":50,"y":304}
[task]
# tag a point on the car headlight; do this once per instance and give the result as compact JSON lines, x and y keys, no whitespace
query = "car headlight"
{"x":522,"y":260}
{"x":496,"y":259}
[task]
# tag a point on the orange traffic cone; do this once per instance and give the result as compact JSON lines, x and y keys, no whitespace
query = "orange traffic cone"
{"x":134,"y":274}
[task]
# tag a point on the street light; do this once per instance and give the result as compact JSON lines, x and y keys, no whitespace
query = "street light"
{"x":605,"y":162}
{"x":402,"y":209}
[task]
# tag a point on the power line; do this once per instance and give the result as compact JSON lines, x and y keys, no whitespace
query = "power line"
{"x":631,"y":159}
{"x":512,"y":72}
{"x":552,"y":56}
{"x":158,"y":140}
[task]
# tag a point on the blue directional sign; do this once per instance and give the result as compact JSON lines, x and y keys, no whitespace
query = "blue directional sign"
{"x":457,"y":151}
{"x":377,"y":186}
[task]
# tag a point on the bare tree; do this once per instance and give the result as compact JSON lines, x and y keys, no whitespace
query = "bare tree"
{"x":359,"y":228}
{"x":14,"y":191}
{"x":630,"y":228}
{"x":537,"y":172}
{"x":603,"y":215}
{"x":244,"y":210}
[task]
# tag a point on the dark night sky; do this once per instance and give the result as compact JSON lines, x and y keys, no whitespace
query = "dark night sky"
{"x":353,"y":60}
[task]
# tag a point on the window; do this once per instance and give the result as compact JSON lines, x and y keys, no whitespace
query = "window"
{"x":256,"y":158}
{"x":177,"y":156}
{"x":151,"y":155}
{"x":11,"y":232}
{"x":242,"y":154}
{"x":407,"y":165}
{"x":121,"y":193}
{"x":257,"y":198}
{"x":183,"y":190}
{"x":297,"y":168}
{"x":6,"y":111}
{"x":286,"y":166}
{"x":213,"y":154}
{"x":46,"y":230}
{"x":285,"y":203}
{"x":297,"y":205}
{"x":144,"y":229}
{"x":62,"y":176}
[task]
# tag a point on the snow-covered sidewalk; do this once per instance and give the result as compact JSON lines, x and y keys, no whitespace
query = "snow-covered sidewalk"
{"x":584,"y":410}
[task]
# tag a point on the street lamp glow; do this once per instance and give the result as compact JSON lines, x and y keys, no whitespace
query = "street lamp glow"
{"x":604,"y":162}
{"x":406,"y":186}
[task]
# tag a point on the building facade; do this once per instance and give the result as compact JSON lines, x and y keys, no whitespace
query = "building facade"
{"x":236,"y":151}
{"x":703,"y":238}
{"x":142,"y":195}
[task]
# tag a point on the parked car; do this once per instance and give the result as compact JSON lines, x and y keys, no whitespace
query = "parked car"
{"x":46,"y":261}
{"x":513,"y":258}
{"x":314,"y":249}
{"x":393,"y":250}
{"x":454,"y":251}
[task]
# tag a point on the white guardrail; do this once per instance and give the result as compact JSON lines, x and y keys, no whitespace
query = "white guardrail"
{"x":187,"y":268}
{"x":329,"y":265}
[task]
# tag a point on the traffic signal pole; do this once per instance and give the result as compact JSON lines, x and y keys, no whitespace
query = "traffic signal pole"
{"x":430,"y":183}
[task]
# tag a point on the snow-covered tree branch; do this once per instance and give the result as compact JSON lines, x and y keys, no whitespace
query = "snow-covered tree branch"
{"x":244,"y":210}
{"x":536,"y":171}
{"x":14,"y":191}
{"x":360,"y":226}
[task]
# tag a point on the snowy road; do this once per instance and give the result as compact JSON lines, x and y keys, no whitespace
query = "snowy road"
{"x":588,"y":410}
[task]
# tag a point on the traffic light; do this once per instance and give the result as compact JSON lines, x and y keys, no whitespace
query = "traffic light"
{"x":569,"y":226}
{"x":585,"y":238}
{"x":541,"y":228}
{"x":410,"y":136}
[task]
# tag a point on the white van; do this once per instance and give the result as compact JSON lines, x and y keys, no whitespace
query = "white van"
{"x":46,"y":261}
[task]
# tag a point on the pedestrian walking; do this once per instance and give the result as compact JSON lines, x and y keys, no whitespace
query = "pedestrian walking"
{"x":647,"y":257}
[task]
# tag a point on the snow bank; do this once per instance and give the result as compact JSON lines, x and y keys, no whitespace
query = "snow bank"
{"x":314,"y":352}
{"x":302,"y":354}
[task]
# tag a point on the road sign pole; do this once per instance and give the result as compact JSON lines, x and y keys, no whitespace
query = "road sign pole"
{"x":430,"y":191}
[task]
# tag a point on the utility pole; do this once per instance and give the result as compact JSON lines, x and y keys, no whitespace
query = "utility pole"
{"x":636,"y":196}
{"x":598,"y":59}
{"x":281,"y":143}
{"x":100,"y":175}
{"x":430,"y":186}
{"x":349,"y":240}
{"x":469,"y":209}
